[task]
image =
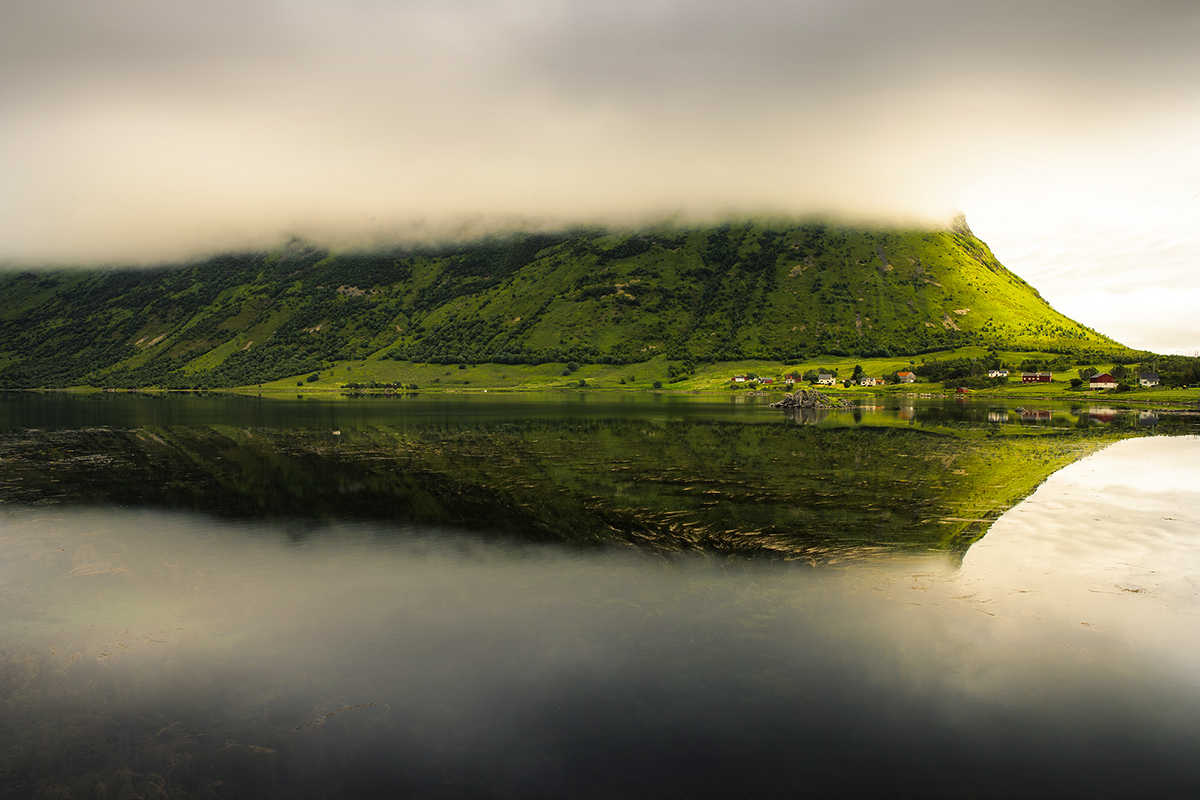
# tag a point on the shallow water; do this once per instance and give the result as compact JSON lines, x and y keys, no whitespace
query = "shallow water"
{"x":150,"y":650}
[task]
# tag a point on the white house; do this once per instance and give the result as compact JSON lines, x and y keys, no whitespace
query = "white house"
{"x":825,"y":379}
{"x":1148,"y":379}
{"x":997,"y":373}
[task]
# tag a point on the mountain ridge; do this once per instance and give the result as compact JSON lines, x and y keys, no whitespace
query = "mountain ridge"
{"x":775,"y":290}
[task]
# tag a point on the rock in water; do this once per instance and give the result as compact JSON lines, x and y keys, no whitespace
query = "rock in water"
{"x":810,"y":398}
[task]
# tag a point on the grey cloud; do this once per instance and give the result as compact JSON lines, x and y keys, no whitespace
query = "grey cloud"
{"x":67,"y":40}
{"x":154,"y":121}
{"x":776,"y":47}
{"x":628,"y":50}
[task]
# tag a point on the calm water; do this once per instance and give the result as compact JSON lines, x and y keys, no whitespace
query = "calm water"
{"x":532,"y":597}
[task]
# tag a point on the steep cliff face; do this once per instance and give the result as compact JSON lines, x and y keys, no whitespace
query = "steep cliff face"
{"x":774,"y":290}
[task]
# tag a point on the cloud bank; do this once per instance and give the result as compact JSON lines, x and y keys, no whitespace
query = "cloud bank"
{"x":138,"y":130}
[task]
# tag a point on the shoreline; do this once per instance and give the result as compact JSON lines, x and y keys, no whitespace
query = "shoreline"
{"x":854,"y":396}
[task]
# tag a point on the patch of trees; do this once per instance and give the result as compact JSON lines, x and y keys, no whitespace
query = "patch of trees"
{"x":595,"y":291}
{"x":155,"y":372}
{"x":629,"y":247}
{"x":1173,"y":370}
{"x":975,"y":382}
{"x":732,"y":289}
{"x":677,"y":373}
{"x":456,"y":340}
{"x":721,"y":251}
{"x":60,"y":366}
{"x":477,"y":267}
{"x":377,"y":385}
{"x":1045,"y":364}
{"x":957,"y":369}
{"x":839,"y":292}
{"x":363,"y":270}
{"x":498,"y":257}
{"x":256,"y":365}
{"x":813,"y":240}
{"x":514,"y":354}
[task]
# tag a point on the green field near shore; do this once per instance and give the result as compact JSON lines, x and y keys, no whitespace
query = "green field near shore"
{"x":707,"y":378}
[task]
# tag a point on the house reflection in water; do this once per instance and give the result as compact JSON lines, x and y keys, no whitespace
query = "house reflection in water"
{"x":1035,"y":415}
{"x":1000,"y":417}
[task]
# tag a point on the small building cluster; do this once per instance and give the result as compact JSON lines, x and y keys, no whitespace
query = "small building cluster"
{"x":823,"y":378}
{"x":1104,"y":380}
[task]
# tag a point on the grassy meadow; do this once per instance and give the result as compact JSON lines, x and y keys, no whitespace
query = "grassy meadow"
{"x":707,"y":379}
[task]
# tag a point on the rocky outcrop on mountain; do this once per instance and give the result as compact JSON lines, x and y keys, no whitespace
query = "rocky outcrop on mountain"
{"x":810,"y":398}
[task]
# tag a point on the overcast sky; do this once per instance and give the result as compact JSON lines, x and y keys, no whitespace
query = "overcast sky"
{"x":1067,"y":130}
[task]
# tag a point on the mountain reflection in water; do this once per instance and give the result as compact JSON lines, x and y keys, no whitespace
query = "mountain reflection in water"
{"x":820,"y":487}
{"x":147,"y":650}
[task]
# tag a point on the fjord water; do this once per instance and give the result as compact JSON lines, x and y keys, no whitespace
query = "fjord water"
{"x":242,"y":598}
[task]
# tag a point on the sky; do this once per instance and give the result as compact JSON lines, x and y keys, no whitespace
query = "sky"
{"x":138,"y":131}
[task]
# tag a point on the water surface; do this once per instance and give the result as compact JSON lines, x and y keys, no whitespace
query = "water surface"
{"x":160,"y":643}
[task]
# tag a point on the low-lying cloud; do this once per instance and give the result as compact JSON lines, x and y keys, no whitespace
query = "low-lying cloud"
{"x":141,"y":130}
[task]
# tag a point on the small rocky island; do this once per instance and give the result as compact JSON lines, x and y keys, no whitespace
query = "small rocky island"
{"x":810,"y":398}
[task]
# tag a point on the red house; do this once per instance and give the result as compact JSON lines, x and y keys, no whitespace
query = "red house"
{"x":1035,"y":377}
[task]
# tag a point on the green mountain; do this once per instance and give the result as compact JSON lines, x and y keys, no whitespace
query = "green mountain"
{"x":769,"y":290}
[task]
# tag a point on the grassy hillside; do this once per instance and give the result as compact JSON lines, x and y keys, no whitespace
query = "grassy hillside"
{"x":742,"y":291}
